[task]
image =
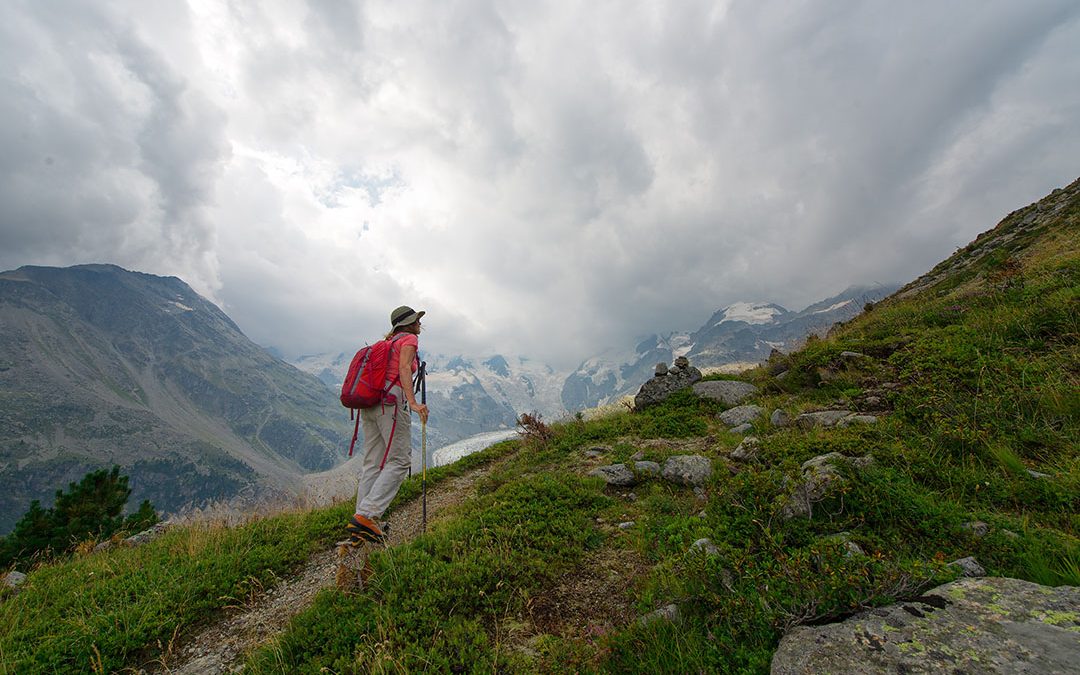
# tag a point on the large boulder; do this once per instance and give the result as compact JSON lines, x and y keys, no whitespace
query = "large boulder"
{"x":988,"y":625}
{"x":666,"y":382}
{"x":728,"y":392}
{"x":743,"y":414}
{"x":689,"y":470}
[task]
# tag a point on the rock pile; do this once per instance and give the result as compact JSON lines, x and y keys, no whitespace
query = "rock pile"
{"x":666,"y":382}
{"x":684,"y":470}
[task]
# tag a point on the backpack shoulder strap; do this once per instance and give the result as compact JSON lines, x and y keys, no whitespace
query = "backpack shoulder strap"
{"x":395,"y":378}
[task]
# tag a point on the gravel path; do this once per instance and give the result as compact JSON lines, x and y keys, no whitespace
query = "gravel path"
{"x":221,"y":646}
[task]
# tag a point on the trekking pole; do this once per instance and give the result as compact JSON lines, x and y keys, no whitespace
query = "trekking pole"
{"x":423,"y":449}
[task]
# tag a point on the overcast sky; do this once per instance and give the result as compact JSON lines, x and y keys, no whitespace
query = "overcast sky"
{"x":544,"y":178}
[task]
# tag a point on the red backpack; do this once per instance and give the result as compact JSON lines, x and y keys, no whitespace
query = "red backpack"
{"x":366,"y":383}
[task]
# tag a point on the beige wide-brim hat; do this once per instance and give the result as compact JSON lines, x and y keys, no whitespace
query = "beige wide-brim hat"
{"x":404,"y":315}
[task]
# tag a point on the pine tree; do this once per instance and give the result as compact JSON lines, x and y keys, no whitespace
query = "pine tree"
{"x":89,"y":509}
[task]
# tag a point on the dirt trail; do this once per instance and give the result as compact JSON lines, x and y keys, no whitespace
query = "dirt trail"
{"x":221,"y":646}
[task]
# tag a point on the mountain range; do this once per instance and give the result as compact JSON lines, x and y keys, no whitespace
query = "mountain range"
{"x":102,"y":366}
{"x":474,"y":395}
{"x":741,"y":333}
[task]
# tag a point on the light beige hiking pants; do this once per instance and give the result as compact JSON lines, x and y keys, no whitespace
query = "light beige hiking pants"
{"x":378,"y":486}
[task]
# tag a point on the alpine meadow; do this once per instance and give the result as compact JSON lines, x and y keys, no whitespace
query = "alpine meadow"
{"x":933,"y":439}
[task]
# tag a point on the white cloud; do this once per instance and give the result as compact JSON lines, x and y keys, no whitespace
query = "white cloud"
{"x":543,"y":178}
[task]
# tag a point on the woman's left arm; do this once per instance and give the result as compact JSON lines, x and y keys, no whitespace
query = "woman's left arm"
{"x":408,"y":355}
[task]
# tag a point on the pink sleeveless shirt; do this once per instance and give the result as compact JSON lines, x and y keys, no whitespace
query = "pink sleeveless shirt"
{"x":394,"y":363}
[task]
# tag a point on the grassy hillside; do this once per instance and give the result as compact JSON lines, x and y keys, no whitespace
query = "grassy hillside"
{"x":975,"y":372}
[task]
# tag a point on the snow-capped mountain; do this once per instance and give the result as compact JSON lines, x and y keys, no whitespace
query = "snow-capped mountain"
{"x":740,"y":332}
{"x":467,"y":395}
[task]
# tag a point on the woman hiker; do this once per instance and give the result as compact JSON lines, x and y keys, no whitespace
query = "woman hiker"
{"x":387,"y":431}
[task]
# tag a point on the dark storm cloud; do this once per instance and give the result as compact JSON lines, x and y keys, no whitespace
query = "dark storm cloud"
{"x":108,"y":155}
{"x":544,"y":178}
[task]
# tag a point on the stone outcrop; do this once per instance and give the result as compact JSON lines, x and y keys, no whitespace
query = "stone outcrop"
{"x":14,"y":579}
{"x":988,"y":625}
{"x":728,"y":392}
{"x":647,"y":468}
{"x":747,"y":450}
{"x":689,"y":470}
{"x":821,"y":418}
{"x":743,"y":414}
{"x":666,"y":382}
{"x":669,"y":613}
{"x":780,"y":419}
{"x":969,"y":567}
{"x":819,"y":477}
{"x":618,"y":475}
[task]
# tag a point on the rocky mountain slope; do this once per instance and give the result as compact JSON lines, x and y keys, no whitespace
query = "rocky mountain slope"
{"x":102,"y":366}
{"x":743,"y":332}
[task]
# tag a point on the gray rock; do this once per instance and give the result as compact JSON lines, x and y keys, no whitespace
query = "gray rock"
{"x":872,"y":403}
{"x":856,"y":419}
{"x":627,"y":525}
{"x":647,"y":468}
{"x":822,"y":418}
{"x":977,"y":528}
{"x":1036,"y":474}
{"x":1009,"y":534}
{"x":104,"y":545}
{"x":747,"y":450}
{"x":661,"y":369}
{"x":14,"y":579}
{"x":853,"y":355}
{"x":828,"y":461}
{"x":782,"y":375}
{"x":743,"y":414}
{"x":148,"y":535}
{"x":682,"y":363}
{"x":637,"y":456}
{"x":690,"y":470}
{"x":742,"y":429}
{"x":661,"y":387}
{"x":819,"y":478}
{"x":618,"y":475}
{"x":850,"y":548}
{"x":593,"y":454}
{"x":969,"y":567}
{"x":989,"y":625}
{"x":780,"y":418}
{"x":704,"y":545}
{"x":728,"y":392}
{"x":669,"y":613}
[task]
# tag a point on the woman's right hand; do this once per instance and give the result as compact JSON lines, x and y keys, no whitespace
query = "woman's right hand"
{"x":421,"y":410}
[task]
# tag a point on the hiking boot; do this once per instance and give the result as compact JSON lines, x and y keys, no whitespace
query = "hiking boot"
{"x":362,"y":528}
